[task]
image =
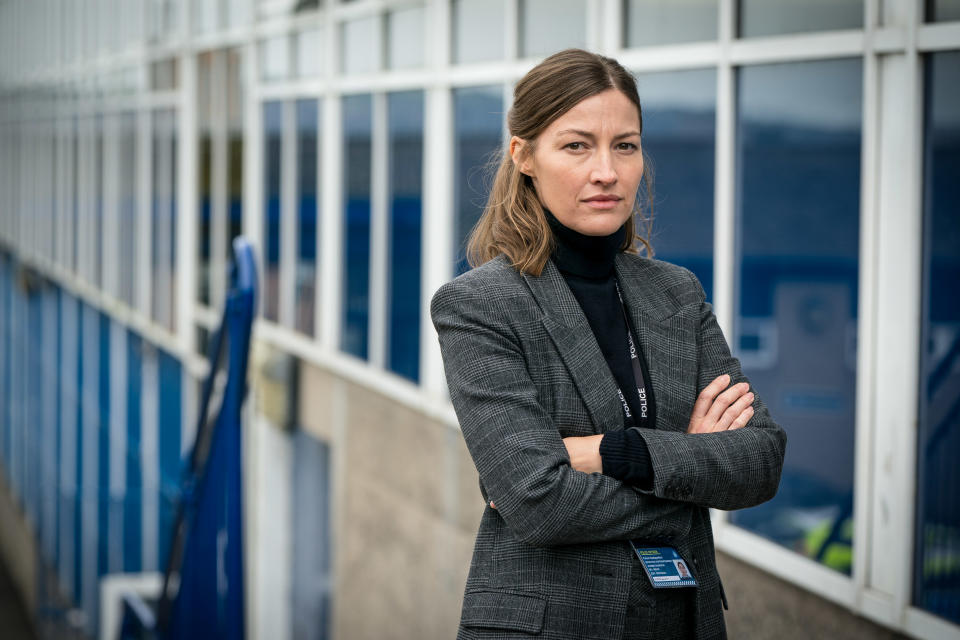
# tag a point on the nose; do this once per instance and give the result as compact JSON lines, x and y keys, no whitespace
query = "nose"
{"x":602,"y":171}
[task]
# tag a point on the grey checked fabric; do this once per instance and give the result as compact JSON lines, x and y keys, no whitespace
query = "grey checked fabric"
{"x":524,"y":371}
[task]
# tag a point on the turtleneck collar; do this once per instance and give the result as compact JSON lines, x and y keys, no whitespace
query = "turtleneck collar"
{"x":582,"y":255}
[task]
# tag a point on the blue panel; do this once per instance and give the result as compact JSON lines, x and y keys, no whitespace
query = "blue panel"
{"x":356,"y":224}
{"x":169,"y":424}
{"x":478,"y":127}
{"x":936,"y":585}
{"x":405,"y":122}
{"x":678,"y":142}
{"x":799,"y":140}
{"x":58,"y":381}
{"x":78,"y":498}
{"x":132,"y":509}
{"x":103,"y":477}
{"x":5,"y":365}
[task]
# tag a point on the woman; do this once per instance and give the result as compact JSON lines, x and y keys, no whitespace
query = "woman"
{"x":595,"y":391}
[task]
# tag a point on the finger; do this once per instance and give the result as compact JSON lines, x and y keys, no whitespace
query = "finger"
{"x":724,"y":400}
{"x":742,"y":419}
{"x":707,"y":396}
{"x":492,"y":506}
{"x":733,"y":411}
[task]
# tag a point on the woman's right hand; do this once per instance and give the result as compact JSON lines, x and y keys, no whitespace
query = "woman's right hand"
{"x":719,"y":408}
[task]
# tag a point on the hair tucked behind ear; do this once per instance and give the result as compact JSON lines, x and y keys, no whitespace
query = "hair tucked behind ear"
{"x":513,"y":223}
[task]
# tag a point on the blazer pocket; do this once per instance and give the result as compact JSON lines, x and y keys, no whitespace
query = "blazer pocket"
{"x":503,"y":610}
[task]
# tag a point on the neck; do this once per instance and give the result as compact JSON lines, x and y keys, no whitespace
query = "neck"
{"x":583,"y":255}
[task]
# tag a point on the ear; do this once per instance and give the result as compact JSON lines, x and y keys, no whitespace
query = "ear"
{"x":519,"y":151}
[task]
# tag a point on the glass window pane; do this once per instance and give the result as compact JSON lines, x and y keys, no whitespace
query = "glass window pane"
{"x":164,"y":227}
{"x":943,"y":10}
{"x":406,"y":38}
{"x":357,"y":120}
{"x":97,"y":185}
{"x":275,"y":58}
{"x":235,"y":101}
{"x":478,"y":127}
{"x":799,"y":209}
{"x":128,"y":205}
{"x":239,"y":12}
{"x":478,"y":30}
{"x":772,"y":17}
{"x":651,"y":22}
{"x":679,"y":112}
{"x":272,"y":143}
{"x":406,"y":196}
{"x":547,"y":26}
{"x":205,"y":18}
{"x":310,"y":53}
{"x":308,"y":117}
{"x":205,"y":119}
{"x":937,"y":565}
{"x":359,"y":50}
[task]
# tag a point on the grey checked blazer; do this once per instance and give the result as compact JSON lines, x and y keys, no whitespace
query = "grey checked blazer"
{"x":524,"y":371}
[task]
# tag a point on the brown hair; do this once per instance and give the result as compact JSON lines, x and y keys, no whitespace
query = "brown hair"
{"x":513,"y":222}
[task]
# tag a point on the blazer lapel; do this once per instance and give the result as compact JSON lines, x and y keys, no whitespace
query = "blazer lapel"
{"x":571,"y":334}
{"x":654,"y":316}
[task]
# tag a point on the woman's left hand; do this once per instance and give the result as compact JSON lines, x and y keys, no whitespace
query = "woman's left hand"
{"x":584,"y":452}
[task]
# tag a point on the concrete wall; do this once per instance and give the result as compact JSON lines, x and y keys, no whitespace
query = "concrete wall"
{"x":406,"y":509}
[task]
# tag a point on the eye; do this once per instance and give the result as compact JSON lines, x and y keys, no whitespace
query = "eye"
{"x":575,"y":146}
{"x":626,"y":146}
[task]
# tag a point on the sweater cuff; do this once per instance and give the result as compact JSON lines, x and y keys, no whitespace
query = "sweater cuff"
{"x":625,"y":456}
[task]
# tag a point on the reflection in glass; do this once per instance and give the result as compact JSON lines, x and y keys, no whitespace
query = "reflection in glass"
{"x":357,"y":119}
{"x":799,"y":208}
{"x":235,"y":101}
{"x":204,"y":173}
{"x":406,"y":40}
{"x":205,"y":18}
{"x":272,"y":143}
{"x":478,"y":30}
{"x":97,"y":190}
{"x":943,"y":10}
{"x":678,"y":143}
{"x":275,"y":58}
{"x":773,"y":17}
{"x":478,"y":137}
{"x":358,"y":53}
{"x":164,"y":224}
{"x":309,"y":53}
{"x":547,"y":26}
{"x":405,"y":122}
{"x":936,"y":586}
{"x":652,"y":22}
{"x":127,"y":210}
{"x":307,"y":171}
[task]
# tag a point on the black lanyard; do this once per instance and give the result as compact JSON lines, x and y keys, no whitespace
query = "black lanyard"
{"x":637,"y":370}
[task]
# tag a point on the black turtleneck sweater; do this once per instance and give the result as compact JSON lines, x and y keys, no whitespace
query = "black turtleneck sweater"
{"x":587,"y":265}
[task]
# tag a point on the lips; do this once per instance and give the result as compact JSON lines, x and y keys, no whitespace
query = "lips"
{"x":603,"y":202}
{"x":603,"y":198}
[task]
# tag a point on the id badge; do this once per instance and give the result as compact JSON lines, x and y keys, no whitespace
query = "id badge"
{"x":664,"y":566}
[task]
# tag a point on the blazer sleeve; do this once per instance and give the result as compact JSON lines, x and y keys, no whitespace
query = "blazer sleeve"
{"x":726,"y":470}
{"x":516,"y":446}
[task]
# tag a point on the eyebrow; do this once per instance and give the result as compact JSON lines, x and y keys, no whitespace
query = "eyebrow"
{"x":587,"y":134}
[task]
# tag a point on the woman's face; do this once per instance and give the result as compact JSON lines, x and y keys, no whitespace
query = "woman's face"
{"x":587,"y":165}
